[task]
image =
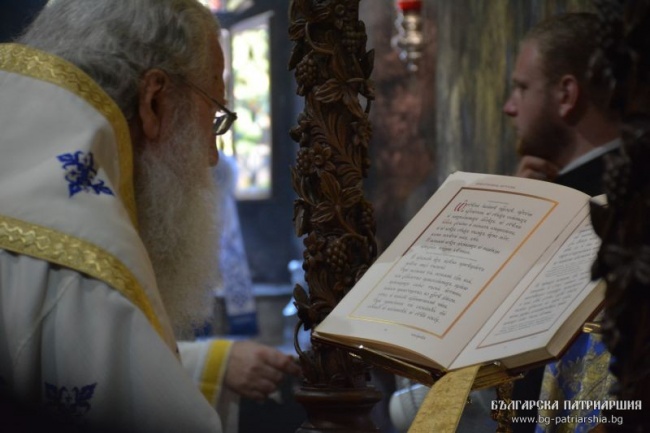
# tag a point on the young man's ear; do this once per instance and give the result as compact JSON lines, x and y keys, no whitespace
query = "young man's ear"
{"x":568,"y":94}
{"x":152,"y":102}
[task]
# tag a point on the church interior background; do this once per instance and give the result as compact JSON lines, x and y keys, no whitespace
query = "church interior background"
{"x":444,"y":116}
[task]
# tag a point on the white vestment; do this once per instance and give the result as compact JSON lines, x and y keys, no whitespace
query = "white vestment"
{"x":84,"y":332}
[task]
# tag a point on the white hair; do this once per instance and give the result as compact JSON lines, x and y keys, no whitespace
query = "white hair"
{"x":116,"y":41}
{"x":176,"y":210}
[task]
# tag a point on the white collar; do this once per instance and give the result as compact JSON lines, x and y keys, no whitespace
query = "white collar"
{"x":592,"y":154}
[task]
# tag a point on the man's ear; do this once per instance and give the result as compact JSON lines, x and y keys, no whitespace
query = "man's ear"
{"x":151,"y":102}
{"x":568,"y":94}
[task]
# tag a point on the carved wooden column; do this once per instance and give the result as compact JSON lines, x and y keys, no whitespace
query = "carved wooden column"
{"x":623,"y":65}
{"x":332,"y":70}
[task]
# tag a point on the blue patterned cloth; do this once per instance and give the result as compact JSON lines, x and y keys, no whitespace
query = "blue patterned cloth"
{"x":582,"y":374}
{"x":237,"y":285}
{"x":81,"y":173}
{"x":69,"y":404}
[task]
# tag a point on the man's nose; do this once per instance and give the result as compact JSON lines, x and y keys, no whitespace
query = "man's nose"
{"x":509,"y":108}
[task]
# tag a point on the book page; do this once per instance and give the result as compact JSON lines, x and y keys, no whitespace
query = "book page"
{"x":540,"y":304}
{"x":454,"y":259}
{"x":453,"y":265}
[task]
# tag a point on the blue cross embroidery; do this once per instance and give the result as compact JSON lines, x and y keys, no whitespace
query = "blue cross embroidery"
{"x":80,"y":172}
{"x":69,"y":403}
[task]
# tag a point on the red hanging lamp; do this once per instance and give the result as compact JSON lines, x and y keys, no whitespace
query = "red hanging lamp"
{"x":409,"y":39}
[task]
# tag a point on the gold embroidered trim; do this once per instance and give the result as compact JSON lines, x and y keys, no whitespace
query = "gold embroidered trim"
{"x":30,"y":62}
{"x":214,"y":370}
{"x":443,"y":405}
{"x":65,"y":250}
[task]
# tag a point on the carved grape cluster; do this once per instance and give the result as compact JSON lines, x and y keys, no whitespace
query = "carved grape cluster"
{"x":367,"y":215}
{"x":314,"y":159}
{"x":304,"y":161}
{"x":306,"y":74}
{"x":354,"y":37}
{"x":336,"y":255}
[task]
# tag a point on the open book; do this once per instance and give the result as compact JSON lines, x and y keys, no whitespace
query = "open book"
{"x":492,"y":268}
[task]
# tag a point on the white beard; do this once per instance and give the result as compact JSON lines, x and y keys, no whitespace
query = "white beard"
{"x":176,"y":202}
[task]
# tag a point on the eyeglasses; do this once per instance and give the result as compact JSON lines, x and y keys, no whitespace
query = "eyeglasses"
{"x":224,"y":118}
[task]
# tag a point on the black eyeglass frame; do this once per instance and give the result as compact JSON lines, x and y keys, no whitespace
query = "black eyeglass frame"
{"x":221,"y":124}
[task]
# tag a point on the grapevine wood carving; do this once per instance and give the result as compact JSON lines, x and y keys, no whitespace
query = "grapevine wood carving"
{"x":623,"y":64}
{"x":332,"y":71}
